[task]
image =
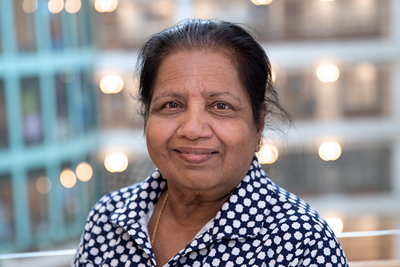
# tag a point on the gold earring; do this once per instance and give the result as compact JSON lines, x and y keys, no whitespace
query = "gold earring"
{"x":260,"y":143}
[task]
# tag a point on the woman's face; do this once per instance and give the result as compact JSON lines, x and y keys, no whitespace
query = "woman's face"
{"x":200,"y":132}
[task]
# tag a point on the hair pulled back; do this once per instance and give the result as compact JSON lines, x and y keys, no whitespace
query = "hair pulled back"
{"x":250,"y":59}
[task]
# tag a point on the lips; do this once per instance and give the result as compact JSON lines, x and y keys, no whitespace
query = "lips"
{"x":195,"y":155}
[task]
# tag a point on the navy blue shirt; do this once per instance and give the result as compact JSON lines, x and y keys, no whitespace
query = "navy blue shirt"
{"x":260,"y":224}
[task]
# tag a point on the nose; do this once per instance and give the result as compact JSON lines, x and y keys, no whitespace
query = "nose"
{"x":194,"y":124}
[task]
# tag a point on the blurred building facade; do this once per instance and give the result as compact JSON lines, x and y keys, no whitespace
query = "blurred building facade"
{"x":48,"y":123}
{"x":336,"y":66}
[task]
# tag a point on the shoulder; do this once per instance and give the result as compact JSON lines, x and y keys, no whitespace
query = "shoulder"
{"x":295,"y":228}
{"x":291,"y":213}
{"x":114,"y":200}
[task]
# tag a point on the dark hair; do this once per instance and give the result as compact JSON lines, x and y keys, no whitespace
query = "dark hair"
{"x":247,"y":55}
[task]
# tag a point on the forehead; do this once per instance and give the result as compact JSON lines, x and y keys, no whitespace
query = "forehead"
{"x":205,"y":68}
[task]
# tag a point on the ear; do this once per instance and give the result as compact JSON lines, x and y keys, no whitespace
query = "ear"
{"x":260,"y":127}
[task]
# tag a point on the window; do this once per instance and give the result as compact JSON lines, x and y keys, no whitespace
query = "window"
{"x":303,"y":19}
{"x":84,"y":25}
{"x":88,"y":101}
{"x":25,"y":28}
{"x":3,"y":117}
{"x":363,"y":170}
{"x":133,"y":17}
{"x":366,"y":91}
{"x":38,"y":187}
{"x":371,"y":247}
{"x":6,"y":209}
{"x":63,"y":126}
{"x":1,"y":39}
{"x":71,"y":204}
{"x":298,"y":96}
{"x":31,"y":111}
{"x":56,"y":34}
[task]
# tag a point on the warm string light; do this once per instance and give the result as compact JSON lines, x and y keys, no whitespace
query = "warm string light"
{"x":261,"y":2}
{"x":116,"y":162}
{"x":111,"y":84}
{"x":71,"y":6}
{"x":83,"y":172}
{"x":330,"y":151}
{"x":68,"y":178}
{"x":268,"y":154}
{"x":105,"y":5}
{"x":335,"y":223}
{"x":55,"y":6}
{"x":29,"y":6}
{"x":328,"y":73}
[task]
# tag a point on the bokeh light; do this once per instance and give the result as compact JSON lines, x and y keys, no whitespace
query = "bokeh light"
{"x":268,"y":154}
{"x":111,"y":84}
{"x":84,"y":172}
{"x":55,"y":6}
{"x":105,"y":5}
{"x":328,"y":73}
{"x":43,"y":185}
{"x":336,"y":224}
{"x":73,"y":6}
{"x":68,"y":178}
{"x":261,"y":2}
{"x":116,"y":162}
{"x":330,"y":151}
{"x":29,"y":6}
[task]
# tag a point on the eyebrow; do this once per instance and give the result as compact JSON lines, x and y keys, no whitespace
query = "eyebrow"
{"x":166,"y":95}
{"x":213,"y":94}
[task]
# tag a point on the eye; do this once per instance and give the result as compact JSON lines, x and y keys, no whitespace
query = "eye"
{"x":171,"y":105}
{"x":221,"y":106}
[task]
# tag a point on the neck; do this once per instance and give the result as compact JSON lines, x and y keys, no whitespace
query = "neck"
{"x":194,"y":209}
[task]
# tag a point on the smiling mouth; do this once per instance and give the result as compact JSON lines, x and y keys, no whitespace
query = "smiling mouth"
{"x":196,"y":154}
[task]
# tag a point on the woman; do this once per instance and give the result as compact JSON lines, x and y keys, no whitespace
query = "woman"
{"x":206,"y":90}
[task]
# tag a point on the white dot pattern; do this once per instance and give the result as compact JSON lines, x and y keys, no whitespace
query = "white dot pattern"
{"x":260,"y":224}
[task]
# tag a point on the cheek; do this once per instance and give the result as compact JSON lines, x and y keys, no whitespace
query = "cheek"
{"x":236,"y":135}
{"x":158,"y":132}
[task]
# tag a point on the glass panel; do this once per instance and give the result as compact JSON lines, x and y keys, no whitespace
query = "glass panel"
{"x":84,"y":25}
{"x":38,"y":187}
{"x":357,"y":171}
{"x":71,"y":204}
{"x":6,"y":209}
{"x":88,"y":101}
{"x":303,"y":19}
{"x":298,"y":96}
{"x":3,"y":118}
{"x":25,"y":28}
{"x":63,"y":127}
{"x":370,"y":247}
{"x":1,"y":38}
{"x":131,"y":16}
{"x":113,"y":112}
{"x":31,"y":111}
{"x":365,"y":93}
{"x":56,"y":31}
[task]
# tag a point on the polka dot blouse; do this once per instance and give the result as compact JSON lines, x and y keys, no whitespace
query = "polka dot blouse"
{"x":260,"y":224}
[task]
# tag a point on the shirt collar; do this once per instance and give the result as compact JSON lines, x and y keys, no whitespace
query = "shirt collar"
{"x":244,"y":213}
{"x":241,"y":216}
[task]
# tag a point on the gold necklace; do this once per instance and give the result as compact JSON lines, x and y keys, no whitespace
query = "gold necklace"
{"x":158,"y":219}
